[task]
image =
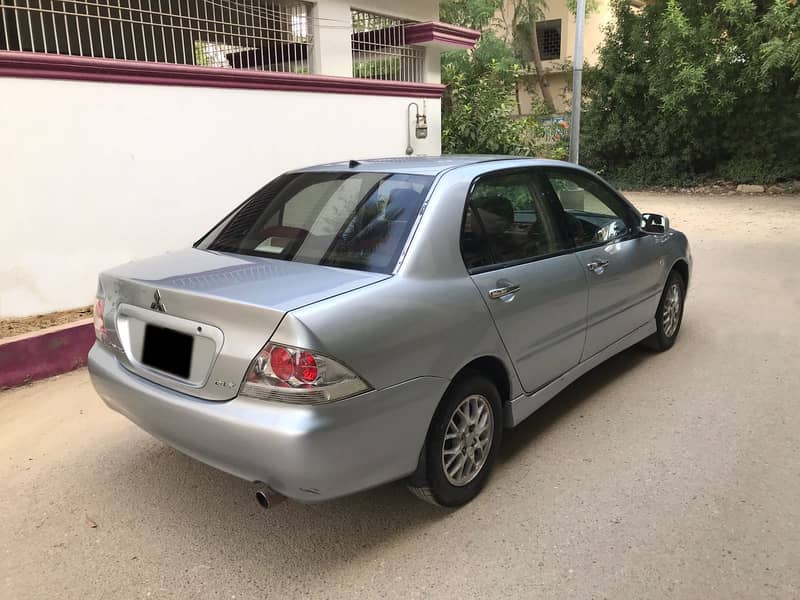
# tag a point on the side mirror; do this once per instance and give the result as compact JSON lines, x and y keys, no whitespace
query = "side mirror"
{"x":656,"y":224}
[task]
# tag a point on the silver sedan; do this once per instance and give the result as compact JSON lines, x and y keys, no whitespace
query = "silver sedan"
{"x":356,"y":323}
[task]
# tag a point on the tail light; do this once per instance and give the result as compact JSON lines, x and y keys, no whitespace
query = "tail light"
{"x":289,"y":374}
{"x":98,"y":313}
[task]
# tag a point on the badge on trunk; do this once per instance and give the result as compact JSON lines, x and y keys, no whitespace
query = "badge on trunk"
{"x":157,"y":304}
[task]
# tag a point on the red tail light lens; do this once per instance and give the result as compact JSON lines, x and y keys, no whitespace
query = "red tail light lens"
{"x":290,"y":374}
{"x":307,"y":369}
{"x":98,"y":313}
{"x":281,"y":363}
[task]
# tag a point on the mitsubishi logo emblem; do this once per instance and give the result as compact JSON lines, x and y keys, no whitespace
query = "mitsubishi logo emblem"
{"x":157,"y":304}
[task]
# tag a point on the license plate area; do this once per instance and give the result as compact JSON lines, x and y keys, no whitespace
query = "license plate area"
{"x":167,"y":350}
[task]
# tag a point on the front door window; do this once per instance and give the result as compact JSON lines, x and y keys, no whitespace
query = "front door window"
{"x":594,"y":214}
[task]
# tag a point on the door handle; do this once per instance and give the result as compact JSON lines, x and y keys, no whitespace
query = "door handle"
{"x":501,"y":292}
{"x":597,"y":265}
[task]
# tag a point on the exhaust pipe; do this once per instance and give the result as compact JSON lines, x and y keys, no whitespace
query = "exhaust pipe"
{"x":267,"y":498}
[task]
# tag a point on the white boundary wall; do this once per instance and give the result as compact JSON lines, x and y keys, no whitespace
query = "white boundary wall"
{"x":96,"y":174}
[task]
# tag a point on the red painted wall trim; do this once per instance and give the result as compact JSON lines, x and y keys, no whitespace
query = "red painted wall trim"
{"x":45,"y":353}
{"x":57,"y":66}
{"x":442,"y":33}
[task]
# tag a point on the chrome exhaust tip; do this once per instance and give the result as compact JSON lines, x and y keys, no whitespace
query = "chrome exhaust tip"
{"x":267,"y":499}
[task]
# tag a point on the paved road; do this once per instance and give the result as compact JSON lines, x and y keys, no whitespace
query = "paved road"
{"x":655,"y":476}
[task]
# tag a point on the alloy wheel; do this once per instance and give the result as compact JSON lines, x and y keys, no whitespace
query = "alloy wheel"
{"x":467,"y":440}
{"x":671,"y":314}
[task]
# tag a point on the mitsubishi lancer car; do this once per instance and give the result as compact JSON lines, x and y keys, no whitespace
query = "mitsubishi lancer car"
{"x":356,"y":323}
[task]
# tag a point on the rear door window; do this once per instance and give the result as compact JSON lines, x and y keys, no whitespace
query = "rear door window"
{"x":351,"y":220}
{"x":509,"y":220}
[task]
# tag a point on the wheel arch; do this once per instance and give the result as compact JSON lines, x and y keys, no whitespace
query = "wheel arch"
{"x":682,"y":267}
{"x":494,"y":369}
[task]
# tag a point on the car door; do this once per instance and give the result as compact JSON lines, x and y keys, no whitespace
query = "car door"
{"x":621,"y":263}
{"x":519,"y":257}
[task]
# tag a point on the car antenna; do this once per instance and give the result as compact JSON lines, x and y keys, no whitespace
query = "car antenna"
{"x":353,"y":163}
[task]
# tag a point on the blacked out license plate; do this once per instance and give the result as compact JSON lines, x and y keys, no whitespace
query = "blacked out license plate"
{"x":167,"y":350}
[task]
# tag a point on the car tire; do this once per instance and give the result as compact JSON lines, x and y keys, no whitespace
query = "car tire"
{"x":669,"y":315}
{"x":462,"y":443}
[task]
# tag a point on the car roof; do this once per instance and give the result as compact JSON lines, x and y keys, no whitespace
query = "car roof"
{"x":429,"y":165}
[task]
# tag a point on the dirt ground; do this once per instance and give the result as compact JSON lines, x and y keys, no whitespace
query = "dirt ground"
{"x":672,"y":475}
{"x":18,"y":326}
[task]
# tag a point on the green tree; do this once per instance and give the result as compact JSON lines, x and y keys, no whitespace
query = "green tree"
{"x":690,"y":89}
{"x":781,"y":51}
{"x":478,"y":109}
{"x":519,"y":19}
{"x":475,"y":14}
{"x":480,"y":112}
{"x":526,"y":13}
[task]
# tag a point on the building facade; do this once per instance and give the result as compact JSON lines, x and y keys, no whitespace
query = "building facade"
{"x":129,"y":127}
{"x":555,"y":31}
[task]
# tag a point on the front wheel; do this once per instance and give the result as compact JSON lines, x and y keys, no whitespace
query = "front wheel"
{"x":669,"y":314}
{"x":462,"y":443}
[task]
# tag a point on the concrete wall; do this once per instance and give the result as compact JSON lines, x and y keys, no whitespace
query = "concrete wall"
{"x":95,"y":174}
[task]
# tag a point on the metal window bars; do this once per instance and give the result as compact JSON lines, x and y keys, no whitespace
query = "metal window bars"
{"x":380,"y":51}
{"x":548,"y":34}
{"x":245,"y":34}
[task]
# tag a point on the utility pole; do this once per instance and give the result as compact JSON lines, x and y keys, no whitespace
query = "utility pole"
{"x":577,"y":79}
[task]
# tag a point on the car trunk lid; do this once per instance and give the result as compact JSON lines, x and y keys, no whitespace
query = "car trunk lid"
{"x":208,"y":314}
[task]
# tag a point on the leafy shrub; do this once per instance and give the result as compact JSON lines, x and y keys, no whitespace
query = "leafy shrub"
{"x":479,"y":109}
{"x":756,"y":170}
{"x":687,"y":90}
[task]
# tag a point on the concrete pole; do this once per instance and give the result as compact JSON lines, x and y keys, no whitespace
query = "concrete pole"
{"x":577,"y":79}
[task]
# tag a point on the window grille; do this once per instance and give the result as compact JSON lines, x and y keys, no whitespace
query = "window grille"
{"x":380,"y":51}
{"x":548,"y":34}
{"x":244,"y":34}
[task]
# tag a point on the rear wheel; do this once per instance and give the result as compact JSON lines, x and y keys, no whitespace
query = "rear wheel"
{"x":669,"y":314}
{"x":462,"y":443}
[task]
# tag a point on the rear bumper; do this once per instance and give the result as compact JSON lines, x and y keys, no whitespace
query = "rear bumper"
{"x":309,"y":453}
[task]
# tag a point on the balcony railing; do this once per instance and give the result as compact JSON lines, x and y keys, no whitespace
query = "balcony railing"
{"x":380,"y":51}
{"x":241,"y":34}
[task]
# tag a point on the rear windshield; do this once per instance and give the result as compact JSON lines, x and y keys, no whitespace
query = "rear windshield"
{"x":351,"y":220}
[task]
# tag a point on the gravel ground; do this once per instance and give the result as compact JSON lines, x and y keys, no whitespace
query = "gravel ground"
{"x":655,"y":476}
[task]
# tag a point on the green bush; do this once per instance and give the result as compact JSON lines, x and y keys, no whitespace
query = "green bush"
{"x":690,"y":90}
{"x":479,"y":106}
{"x":756,"y":170}
{"x":479,"y":110}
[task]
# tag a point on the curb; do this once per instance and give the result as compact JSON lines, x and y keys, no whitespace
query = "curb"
{"x":39,"y":354}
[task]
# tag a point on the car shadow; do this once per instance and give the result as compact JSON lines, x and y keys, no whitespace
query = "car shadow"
{"x":166,"y":491}
{"x":577,"y":394}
